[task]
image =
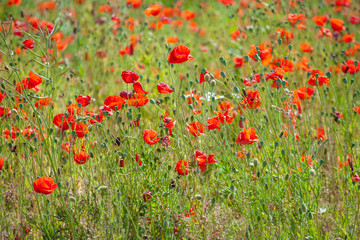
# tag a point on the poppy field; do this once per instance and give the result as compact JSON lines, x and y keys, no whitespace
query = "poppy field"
{"x":179,"y":119}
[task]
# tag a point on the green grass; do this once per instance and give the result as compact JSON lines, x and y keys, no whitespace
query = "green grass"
{"x":269,"y":193}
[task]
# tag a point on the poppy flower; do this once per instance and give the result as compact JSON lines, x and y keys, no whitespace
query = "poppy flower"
{"x":138,"y":160}
{"x":1,"y":97}
{"x":173,"y":39}
{"x":320,"y":133}
{"x":321,"y":81}
{"x":182,"y":167}
{"x":28,"y":43}
{"x":265,"y":53}
{"x":251,"y":100}
{"x":306,"y":47}
{"x":286,"y":36}
{"x":354,"y":19}
{"x":202,"y":76}
{"x":129,"y":76}
{"x":137,"y":100}
{"x":304,"y":92}
{"x":203,"y":159}
{"x":213,"y":123}
{"x":149,"y":136}
{"x":227,"y":2}
{"x":134,"y":3}
{"x":164,"y":88}
{"x":170,"y":125}
{"x":138,"y":88}
{"x":105,"y":111}
{"x":254,"y":79}
{"x":114,"y":101}
{"x":247,"y":136}
{"x":349,"y":66}
{"x":188,"y":15}
{"x":42,"y":102}
{"x":83,"y":100}
{"x":74,"y":109}
{"x":337,"y":25}
{"x":179,"y":54}
{"x":357,"y":109}
{"x":196,"y":128}
{"x":225,"y":106}
{"x":80,"y":129}
{"x":62,"y":122}
{"x":31,"y":82}
{"x":14,"y":2}
{"x":165,"y":141}
{"x":320,"y":20}
{"x":1,"y":163}
{"x":153,"y":10}
{"x":44,"y":185}
{"x":282,"y":63}
{"x":81,"y":157}
{"x":95,"y":118}
{"x":295,"y":18}
{"x":238,"y":61}
{"x":355,"y":178}
{"x":147,"y":196}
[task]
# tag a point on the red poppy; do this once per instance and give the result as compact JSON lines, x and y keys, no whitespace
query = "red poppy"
{"x":164,"y":88}
{"x":203,"y":159}
{"x":81,"y":157}
{"x":95,"y":118}
{"x":105,"y":110}
{"x":349,"y":67}
{"x":44,"y":185}
{"x":357,"y":109}
{"x":1,"y":97}
{"x":43,"y":102}
{"x":252,"y":99}
{"x":320,"y":20}
{"x":153,"y":10}
{"x":28,"y":43}
{"x":74,"y":109}
{"x":138,"y":160}
{"x":83,"y":100}
{"x":173,"y":39}
{"x":355,"y":178}
{"x":188,"y":15}
{"x":179,"y":54}
{"x":284,"y":64}
{"x":182,"y":167}
{"x":238,"y":61}
{"x":137,"y":100}
{"x":295,"y":18}
{"x":306,"y":47}
{"x":129,"y":76}
{"x":196,"y":128}
{"x":114,"y":101}
{"x":213,"y":123}
{"x":202,"y":76}
{"x":31,"y":82}
{"x":138,"y":88}
{"x":147,"y":196}
{"x":321,"y":81}
{"x":165,"y":141}
{"x":320,"y":133}
{"x":14,"y":2}
{"x":1,"y":163}
{"x":354,"y":19}
{"x":304,"y":92}
{"x":134,"y":3}
{"x":80,"y":129}
{"x":337,"y":25}
{"x":62,"y":122}
{"x":170,"y":125}
{"x":265,"y":53}
{"x":247,"y":136}
{"x":149,"y":136}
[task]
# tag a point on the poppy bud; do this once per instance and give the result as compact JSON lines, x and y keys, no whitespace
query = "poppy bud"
{"x":207,"y":77}
{"x":312,"y":172}
{"x":256,"y":162}
{"x":212,"y":83}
